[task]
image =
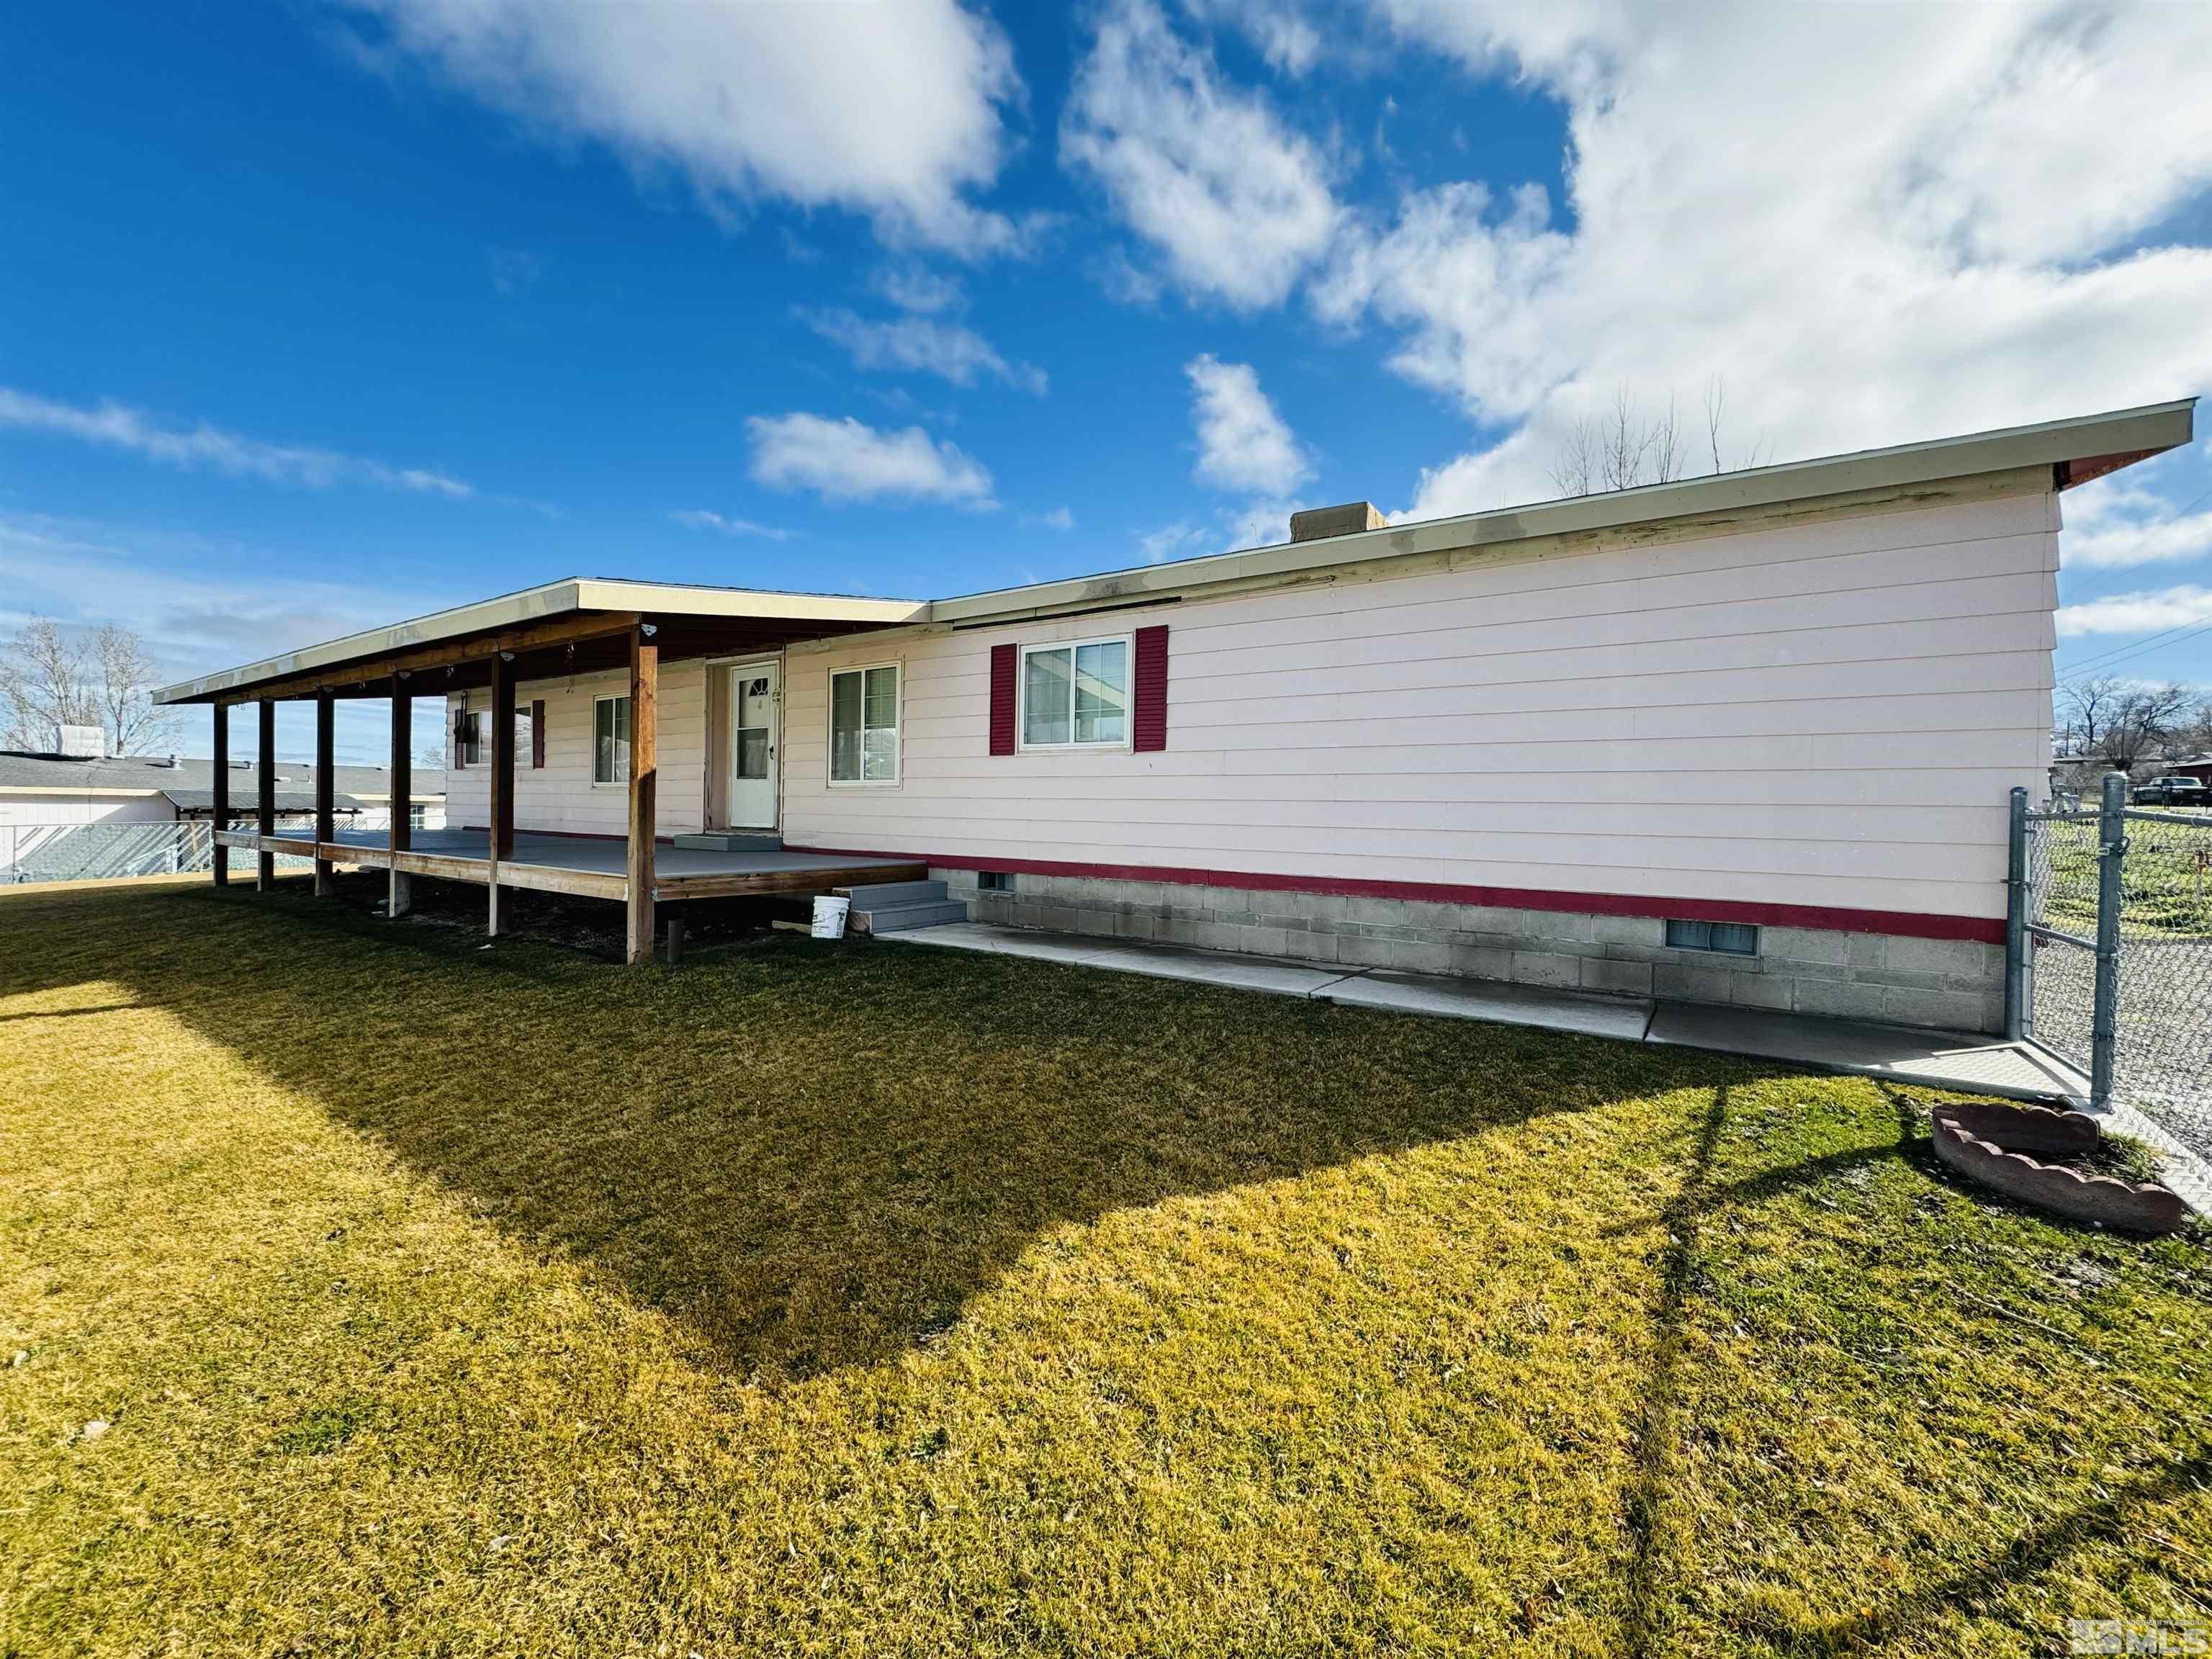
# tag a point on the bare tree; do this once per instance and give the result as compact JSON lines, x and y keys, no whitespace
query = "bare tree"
{"x":49,"y":681}
{"x":2194,"y":731}
{"x":1575,"y":471}
{"x":46,"y":679}
{"x":1628,"y":448}
{"x":135,"y":722}
{"x":2126,"y":722}
{"x":2088,"y":707}
{"x":2149,"y":721}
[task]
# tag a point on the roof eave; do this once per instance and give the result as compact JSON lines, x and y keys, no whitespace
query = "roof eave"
{"x":2146,"y":431}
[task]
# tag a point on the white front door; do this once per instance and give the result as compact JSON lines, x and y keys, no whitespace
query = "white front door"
{"x":755,"y":729}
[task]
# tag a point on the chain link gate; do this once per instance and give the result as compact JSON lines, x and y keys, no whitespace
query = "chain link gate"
{"x":2109,"y":953}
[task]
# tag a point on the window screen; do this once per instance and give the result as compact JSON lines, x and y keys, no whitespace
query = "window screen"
{"x":863,"y":739}
{"x":1076,"y":694}
{"x":610,"y":740}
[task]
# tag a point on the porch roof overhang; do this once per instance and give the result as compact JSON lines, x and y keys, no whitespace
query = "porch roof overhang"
{"x":581,"y":625}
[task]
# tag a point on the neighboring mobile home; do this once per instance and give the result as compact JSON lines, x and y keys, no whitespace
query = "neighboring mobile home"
{"x":43,"y":791}
{"x":1741,"y":739}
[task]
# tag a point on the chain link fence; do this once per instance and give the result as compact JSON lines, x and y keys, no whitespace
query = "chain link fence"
{"x":2059,"y":971}
{"x":2112,"y":953}
{"x":2162,"y":1060}
{"x":106,"y":852}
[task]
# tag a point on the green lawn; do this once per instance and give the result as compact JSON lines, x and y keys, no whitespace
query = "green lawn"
{"x":869,"y":1300}
{"x":2165,"y":878}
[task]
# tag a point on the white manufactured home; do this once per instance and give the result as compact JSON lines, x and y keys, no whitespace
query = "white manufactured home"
{"x":1746,"y":738}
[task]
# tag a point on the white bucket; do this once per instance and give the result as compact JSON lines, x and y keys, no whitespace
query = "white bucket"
{"x":830,"y":917}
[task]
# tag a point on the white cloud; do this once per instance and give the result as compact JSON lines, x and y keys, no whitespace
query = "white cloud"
{"x":917,"y":288}
{"x":1857,"y":227}
{"x":891,"y":111}
{"x":2116,"y":522}
{"x":1166,"y":541}
{"x":1284,"y":35}
{"x":1263,"y":523}
{"x":200,"y":605}
{"x":1060,"y":518}
{"x":116,"y":426}
{"x":923,"y":344}
{"x":514,"y":269}
{"x":1235,"y":202}
{"x":2137,"y":613}
{"x":1242,"y":442}
{"x":701,"y":519}
{"x":845,"y":460}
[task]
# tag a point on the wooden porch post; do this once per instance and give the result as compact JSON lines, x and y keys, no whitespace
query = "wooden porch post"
{"x":502,"y":815}
{"x":264,"y":872}
{"x":325,"y":790}
{"x":219,"y":809}
{"x":644,"y":722}
{"x":403,"y":793}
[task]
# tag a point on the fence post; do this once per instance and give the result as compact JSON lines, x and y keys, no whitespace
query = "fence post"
{"x":2112,"y":849}
{"x":2015,"y":1010}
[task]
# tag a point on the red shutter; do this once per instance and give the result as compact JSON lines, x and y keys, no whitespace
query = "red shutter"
{"x":1005,"y":664}
{"x":537,"y":734}
{"x":1148,"y":726}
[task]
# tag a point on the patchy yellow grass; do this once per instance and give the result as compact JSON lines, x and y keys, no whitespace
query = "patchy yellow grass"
{"x":854,"y":1300}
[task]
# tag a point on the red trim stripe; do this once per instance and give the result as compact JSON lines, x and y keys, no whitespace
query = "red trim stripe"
{"x":1985,"y":930}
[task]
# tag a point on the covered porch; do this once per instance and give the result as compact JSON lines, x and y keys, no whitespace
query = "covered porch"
{"x":572,"y":627}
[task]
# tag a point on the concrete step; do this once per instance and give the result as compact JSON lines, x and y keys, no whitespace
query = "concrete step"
{"x":900,"y":907}
{"x":905,"y":918}
{"x":882,"y":894}
{"x":720,"y":842}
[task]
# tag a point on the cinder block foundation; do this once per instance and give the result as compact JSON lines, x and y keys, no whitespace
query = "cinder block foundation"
{"x":1955,"y":984}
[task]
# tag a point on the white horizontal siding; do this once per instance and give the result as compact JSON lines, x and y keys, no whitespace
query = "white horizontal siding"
{"x":560,"y":797}
{"x":1825,"y":713}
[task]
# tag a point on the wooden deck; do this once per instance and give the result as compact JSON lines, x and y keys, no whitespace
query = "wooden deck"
{"x":584,"y":866}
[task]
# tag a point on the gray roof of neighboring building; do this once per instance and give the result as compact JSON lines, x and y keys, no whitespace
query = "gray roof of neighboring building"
{"x":189,"y":801}
{"x":174,"y":778}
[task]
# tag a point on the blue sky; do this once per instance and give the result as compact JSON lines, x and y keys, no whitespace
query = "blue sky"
{"x":317,"y":316}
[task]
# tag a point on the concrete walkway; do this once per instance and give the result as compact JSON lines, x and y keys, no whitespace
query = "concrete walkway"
{"x":1937,"y":1059}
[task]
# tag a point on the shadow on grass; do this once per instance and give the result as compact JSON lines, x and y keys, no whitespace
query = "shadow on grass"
{"x":2116,"y":1516}
{"x":811,"y":1156}
{"x":1650,"y":1547}
{"x":69,"y":1013}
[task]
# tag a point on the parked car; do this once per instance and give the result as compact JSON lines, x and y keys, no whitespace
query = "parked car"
{"x":2171,"y":790}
